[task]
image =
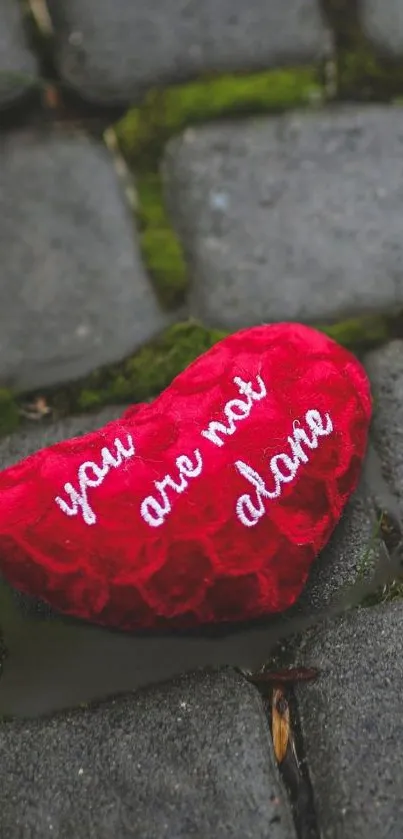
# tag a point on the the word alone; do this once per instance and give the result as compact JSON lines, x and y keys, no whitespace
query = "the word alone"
{"x":283,"y":468}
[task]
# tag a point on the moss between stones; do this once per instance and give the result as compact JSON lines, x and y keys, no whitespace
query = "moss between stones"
{"x":143,"y":132}
{"x":9,"y":415}
{"x":161,"y":250}
{"x":141,"y":135}
{"x":386,"y":594}
{"x":146,"y":373}
{"x":392,"y":592}
{"x":364,"y":75}
{"x":364,"y":332}
{"x":366,"y":561}
{"x":392,"y":589}
{"x":151,"y":369}
{"x":141,"y":376}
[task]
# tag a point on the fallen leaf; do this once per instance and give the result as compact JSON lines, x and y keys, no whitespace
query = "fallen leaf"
{"x":36,"y":410}
{"x":280,"y":724}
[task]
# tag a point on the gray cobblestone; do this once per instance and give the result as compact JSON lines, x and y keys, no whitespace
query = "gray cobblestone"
{"x":73,"y":294}
{"x":382,"y":23}
{"x":385,"y":368}
{"x":352,"y":724}
{"x":295,"y":217}
{"x":352,"y":553}
{"x":59,"y":665}
{"x":193,"y":758}
{"x":112,"y":51}
{"x":35,"y":436}
{"x":87,"y":663}
{"x":18,"y":66}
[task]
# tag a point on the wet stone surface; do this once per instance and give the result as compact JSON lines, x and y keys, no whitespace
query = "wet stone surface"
{"x":57,"y":666}
{"x":382,"y":23}
{"x":74,"y":294}
{"x":65,"y":662}
{"x":352,"y":554}
{"x":18,"y":65}
{"x":110,"y":51}
{"x":385,"y":368}
{"x":291,"y":218}
{"x":352,"y":724}
{"x":294,"y":217}
{"x":190,"y":759}
{"x":33,"y":437}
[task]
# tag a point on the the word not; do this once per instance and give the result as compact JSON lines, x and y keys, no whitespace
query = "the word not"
{"x":92,"y":475}
{"x":155,"y":510}
{"x":235,"y":410}
{"x":283,"y":467}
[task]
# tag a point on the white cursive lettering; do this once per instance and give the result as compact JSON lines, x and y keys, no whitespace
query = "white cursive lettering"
{"x":155,"y":511}
{"x":91,"y":475}
{"x":235,"y":410}
{"x":283,"y":468}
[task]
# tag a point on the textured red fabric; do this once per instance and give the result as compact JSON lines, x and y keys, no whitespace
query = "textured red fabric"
{"x":181,"y":522}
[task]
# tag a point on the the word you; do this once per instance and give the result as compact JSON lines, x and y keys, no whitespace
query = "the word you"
{"x":92,"y":475}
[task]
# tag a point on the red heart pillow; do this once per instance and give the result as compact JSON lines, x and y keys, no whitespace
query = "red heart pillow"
{"x":207,"y":505}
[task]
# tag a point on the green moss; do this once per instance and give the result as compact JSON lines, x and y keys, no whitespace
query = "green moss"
{"x":386,"y":594}
{"x":161,"y":250}
{"x":342,"y":17}
{"x":141,"y":376}
{"x":365,"y":75}
{"x":143,"y":132}
{"x":394,"y":591}
{"x":146,"y":373}
{"x":384,"y":529}
{"x":366,"y":561}
{"x":365,"y":331}
{"x":163,"y":257}
{"x":9,"y":415}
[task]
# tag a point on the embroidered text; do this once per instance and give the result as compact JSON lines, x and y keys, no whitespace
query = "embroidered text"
{"x":155,"y":510}
{"x":91,"y":475}
{"x":283,"y":468}
{"x":235,"y":410}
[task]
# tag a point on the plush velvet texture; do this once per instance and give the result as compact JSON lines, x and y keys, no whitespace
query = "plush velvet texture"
{"x":202,"y":565}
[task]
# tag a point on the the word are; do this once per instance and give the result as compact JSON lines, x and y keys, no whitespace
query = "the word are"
{"x":154,"y":510}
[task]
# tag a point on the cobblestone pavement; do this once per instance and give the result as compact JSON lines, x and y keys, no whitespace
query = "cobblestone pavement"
{"x":169,"y":171}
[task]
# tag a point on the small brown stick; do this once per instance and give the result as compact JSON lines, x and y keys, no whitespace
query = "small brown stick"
{"x":288,"y":676}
